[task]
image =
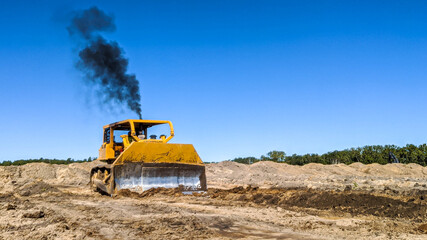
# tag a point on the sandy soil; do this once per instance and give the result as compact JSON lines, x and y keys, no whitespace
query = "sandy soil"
{"x":260,"y":201}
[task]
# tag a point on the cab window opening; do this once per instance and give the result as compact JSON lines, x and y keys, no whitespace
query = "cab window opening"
{"x":107,"y":135}
{"x":118,"y":135}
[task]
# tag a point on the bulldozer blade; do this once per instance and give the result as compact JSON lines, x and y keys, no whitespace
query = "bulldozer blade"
{"x":139,"y":177}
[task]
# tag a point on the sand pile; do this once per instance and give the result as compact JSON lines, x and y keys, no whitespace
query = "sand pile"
{"x":13,"y":177}
{"x":395,"y":177}
{"x":339,"y":176}
{"x":36,"y":187}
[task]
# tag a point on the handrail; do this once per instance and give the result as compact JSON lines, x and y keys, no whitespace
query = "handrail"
{"x":133,"y":133}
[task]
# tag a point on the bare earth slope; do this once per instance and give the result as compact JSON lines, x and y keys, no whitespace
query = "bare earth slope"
{"x":265,"y":200}
{"x":279,"y":175}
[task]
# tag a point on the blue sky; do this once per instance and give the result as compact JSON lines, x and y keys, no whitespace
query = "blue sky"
{"x":237,"y":78}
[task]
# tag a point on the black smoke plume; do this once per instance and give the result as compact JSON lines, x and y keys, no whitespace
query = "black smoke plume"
{"x":103,"y":61}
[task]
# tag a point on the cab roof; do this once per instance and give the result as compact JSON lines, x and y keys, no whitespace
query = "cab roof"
{"x":146,"y":123}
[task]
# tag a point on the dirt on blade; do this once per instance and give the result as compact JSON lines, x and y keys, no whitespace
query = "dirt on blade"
{"x":260,"y":201}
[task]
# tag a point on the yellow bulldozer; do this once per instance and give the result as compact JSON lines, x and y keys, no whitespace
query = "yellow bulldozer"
{"x":137,"y":162}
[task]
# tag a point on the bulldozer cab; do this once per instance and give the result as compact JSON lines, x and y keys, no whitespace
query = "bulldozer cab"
{"x":120,"y":135}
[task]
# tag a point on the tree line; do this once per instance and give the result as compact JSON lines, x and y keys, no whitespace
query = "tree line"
{"x":45,"y":160}
{"x":367,"y":154}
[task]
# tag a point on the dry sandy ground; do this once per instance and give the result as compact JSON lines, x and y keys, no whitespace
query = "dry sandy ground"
{"x":260,"y":201}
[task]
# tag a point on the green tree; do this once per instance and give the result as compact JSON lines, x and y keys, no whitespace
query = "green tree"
{"x":276,"y":156}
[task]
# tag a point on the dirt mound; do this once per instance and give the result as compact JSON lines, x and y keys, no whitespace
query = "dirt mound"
{"x":340,"y":176}
{"x":358,"y":203}
{"x":34,"y":214}
{"x":76,"y":174}
{"x":353,"y":202}
{"x":37,"y":187}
